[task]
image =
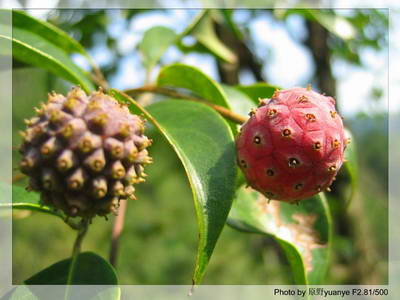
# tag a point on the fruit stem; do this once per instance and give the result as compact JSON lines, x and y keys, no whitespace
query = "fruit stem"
{"x":75,"y":253}
{"x":239,"y":119}
{"x":99,"y":81}
{"x":97,"y":75}
{"x":117,"y":230}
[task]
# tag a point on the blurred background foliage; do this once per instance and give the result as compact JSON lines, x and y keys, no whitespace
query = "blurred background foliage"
{"x":159,"y":241}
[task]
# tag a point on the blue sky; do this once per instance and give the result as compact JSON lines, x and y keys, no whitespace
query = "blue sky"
{"x":288,"y":63}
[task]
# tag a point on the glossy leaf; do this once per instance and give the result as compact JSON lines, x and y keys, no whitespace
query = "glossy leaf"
{"x":91,"y":269}
{"x":32,"y":48}
{"x":53,"y":34}
{"x":240,"y":104}
{"x":238,"y":101}
{"x":202,"y":140}
{"x":257,"y":90}
{"x":24,"y":200}
{"x":155,"y":42}
{"x":303,"y":231}
{"x":191,"y":78}
{"x":205,"y":33}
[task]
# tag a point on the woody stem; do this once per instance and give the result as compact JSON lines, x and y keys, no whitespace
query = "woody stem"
{"x":230,"y":115}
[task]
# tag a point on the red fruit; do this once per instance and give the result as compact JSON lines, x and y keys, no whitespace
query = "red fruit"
{"x":292,"y":146}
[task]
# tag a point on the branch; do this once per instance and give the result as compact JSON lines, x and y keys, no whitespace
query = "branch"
{"x":169,"y":92}
{"x":98,"y":79}
{"x":318,"y":44}
{"x":98,"y":76}
{"x":117,"y":230}
{"x":229,"y":73}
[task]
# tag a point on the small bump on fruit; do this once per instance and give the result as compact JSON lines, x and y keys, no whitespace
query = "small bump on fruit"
{"x":299,"y":135}
{"x":83,"y":153}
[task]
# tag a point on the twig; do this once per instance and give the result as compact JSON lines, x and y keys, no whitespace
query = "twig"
{"x":146,"y":98}
{"x":98,"y":76}
{"x":99,"y":80}
{"x":117,"y":230}
{"x":75,"y":253}
{"x":169,"y":92}
{"x":72,"y":224}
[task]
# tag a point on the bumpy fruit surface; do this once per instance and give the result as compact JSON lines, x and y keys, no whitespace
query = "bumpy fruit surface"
{"x":292,"y":146}
{"x":84,"y":153}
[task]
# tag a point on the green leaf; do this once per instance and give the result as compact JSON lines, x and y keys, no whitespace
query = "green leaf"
{"x":53,"y":34}
{"x":91,"y":270}
{"x":205,"y":33}
{"x":155,"y":42}
{"x":31,"y":48}
{"x":24,"y":200}
{"x":334,"y":23}
{"x":191,"y":78}
{"x":196,"y":21}
{"x":303,"y":231}
{"x":258,"y":90}
{"x":238,"y":100}
{"x":202,"y":140}
{"x":351,"y":164}
{"x":241,"y":104}
{"x":227,"y":15}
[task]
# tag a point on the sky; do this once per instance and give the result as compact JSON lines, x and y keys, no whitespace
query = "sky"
{"x":288,"y":63}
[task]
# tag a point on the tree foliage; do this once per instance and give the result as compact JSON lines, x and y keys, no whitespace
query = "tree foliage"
{"x":190,"y":111}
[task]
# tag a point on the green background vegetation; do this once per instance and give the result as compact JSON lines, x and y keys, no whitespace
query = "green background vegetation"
{"x":159,"y":242}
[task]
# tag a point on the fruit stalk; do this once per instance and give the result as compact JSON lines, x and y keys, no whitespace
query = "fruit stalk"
{"x":83,"y":228}
{"x":234,"y":117}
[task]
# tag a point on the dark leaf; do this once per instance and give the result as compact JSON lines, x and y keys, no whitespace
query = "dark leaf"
{"x":91,"y":269}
